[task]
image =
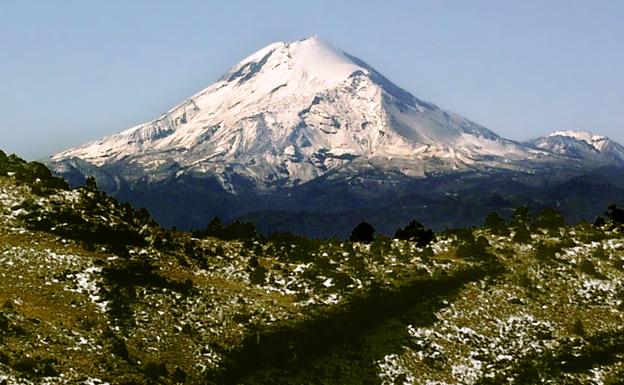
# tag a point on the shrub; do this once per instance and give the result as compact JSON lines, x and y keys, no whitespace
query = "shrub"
{"x":155,"y":370}
{"x":549,"y":219}
{"x":381,"y":246}
{"x":578,"y":328}
{"x":587,"y":266}
{"x":520,"y":217}
{"x":194,"y":251}
{"x":476,"y":250}
{"x":462,"y":235}
{"x":139,"y":271}
{"x":496,"y":224}
{"x":179,"y":375}
{"x":600,"y":221}
{"x":35,"y":174}
{"x":292,"y":247}
{"x":4,"y":323}
{"x":143,"y":215}
{"x":525,"y":281}
{"x":119,"y":348}
{"x":91,"y":183}
{"x":615,"y":215}
{"x":599,"y":253}
{"x":522,"y":234}
{"x":37,"y":367}
{"x":83,"y":222}
{"x":545,"y":252}
{"x":240,"y":230}
{"x":258,"y":275}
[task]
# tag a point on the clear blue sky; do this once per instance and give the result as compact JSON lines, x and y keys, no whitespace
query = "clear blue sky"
{"x":73,"y":71}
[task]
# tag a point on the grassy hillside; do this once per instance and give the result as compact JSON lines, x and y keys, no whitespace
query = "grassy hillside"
{"x":94,"y":291}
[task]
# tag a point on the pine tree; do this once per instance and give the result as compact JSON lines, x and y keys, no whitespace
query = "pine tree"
{"x":415,"y":231}
{"x":362,"y":233}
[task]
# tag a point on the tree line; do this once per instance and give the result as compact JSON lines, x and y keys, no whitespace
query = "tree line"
{"x":521,"y":224}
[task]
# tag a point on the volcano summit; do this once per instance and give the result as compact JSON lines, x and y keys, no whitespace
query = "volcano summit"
{"x":299,"y":127}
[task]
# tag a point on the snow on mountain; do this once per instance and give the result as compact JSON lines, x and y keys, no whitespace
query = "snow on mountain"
{"x":291,"y":112}
{"x":582,"y":145}
{"x":596,"y":141}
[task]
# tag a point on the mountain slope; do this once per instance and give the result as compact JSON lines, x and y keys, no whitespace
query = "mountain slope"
{"x":94,"y":292}
{"x":583,"y":145}
{"x":288,"y":114}
{"x":304,"y":127}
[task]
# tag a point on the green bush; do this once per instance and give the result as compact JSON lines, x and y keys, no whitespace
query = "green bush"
{"x":521,"y":217}
{"x":118,"y":346}
{"x":578,"y":328}
{"x":380,"y":247}
{"x":476,"y":250}
{"x":461,"y":235}
{"x":155,"y":370}
{"x":36,"y":367}
{"x":546,"y":252}
{"x":549,"y":219}
{"x":599,"y":253}
{"x":257,"y":276}
{"x":91,"y":183}
{"x":587,"y":267}
{"x":522,"y":234}
{"x":496,"y":224}
{"x":525,"y":281}
{"x":293,"y":248}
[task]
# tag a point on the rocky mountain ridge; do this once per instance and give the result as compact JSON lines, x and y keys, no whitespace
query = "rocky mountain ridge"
{"x":584,"y":145}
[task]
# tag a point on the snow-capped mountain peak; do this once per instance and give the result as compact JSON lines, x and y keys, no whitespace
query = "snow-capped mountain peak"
{"x":585,"y":145}
{"x":291,"y":112}
{"x":596,"y":141}
{"x":311,"y":58}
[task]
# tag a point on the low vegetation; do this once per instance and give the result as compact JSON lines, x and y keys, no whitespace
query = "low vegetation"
{"x":93,"y":291}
